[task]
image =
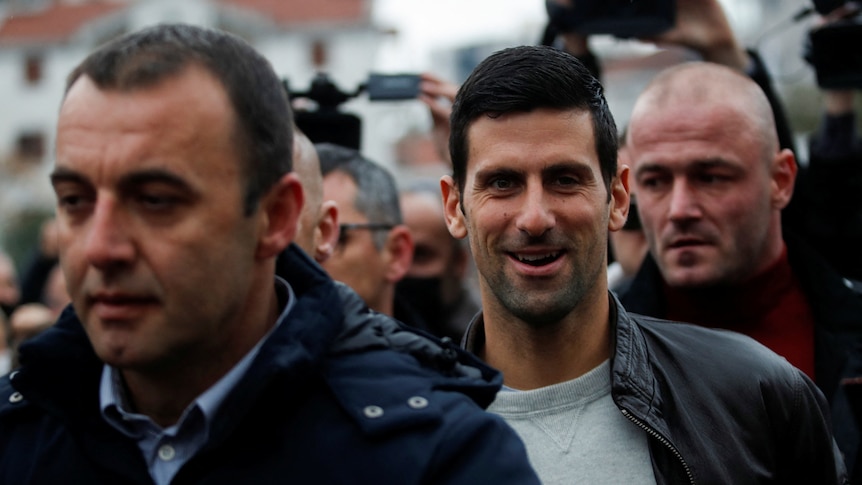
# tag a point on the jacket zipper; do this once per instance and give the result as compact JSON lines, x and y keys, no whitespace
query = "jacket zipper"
{"x":661,"y":439}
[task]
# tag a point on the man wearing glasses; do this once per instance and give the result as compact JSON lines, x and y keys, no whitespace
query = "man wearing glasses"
{"x":375,"y":247}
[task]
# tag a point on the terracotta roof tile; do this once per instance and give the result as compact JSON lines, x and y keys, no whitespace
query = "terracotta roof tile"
{"x":288,"y":12}
{"x":56,"y":23}
{"x":60,"y":20}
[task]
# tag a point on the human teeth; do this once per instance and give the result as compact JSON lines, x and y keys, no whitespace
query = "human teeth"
{"x":531,"y":258}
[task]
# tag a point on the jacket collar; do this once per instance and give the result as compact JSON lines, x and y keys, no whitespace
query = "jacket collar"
{"x":328,"y":321}
{"x":632,"y":381}
{"x":836,"y":306}
{"x":61,"y":371}
{"x":634,"y":387}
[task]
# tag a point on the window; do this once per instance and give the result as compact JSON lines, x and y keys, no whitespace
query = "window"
{"x":33,"y":68}
{"x":319,"y":53}
{"x":31,"y":146}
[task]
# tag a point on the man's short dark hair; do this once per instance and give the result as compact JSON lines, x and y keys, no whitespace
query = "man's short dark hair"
{"x":142,"y":59}
{"x":376,"y":189}
{"x":521,"y":80}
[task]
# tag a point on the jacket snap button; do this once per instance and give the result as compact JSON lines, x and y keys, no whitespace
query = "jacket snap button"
{"x":373,"y":411}
{"x":167,"y":453}
{"x":417,"y":402}
{"x":16,"y":397}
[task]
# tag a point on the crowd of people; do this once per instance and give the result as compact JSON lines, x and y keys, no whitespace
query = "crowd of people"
{"x":220,"y":299}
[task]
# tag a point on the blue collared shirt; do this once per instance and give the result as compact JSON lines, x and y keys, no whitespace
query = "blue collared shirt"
{"x":166,"y":450}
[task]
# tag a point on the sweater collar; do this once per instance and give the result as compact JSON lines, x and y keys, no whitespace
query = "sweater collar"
{"x":745,"y":303}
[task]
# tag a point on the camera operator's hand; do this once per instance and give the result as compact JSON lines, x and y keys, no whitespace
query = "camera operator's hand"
{"x":575,"y":44}
{"x":702,"y":25}
{"x":842,"y":12}
{"x":838,"y":102}
{"x":438,"y":95}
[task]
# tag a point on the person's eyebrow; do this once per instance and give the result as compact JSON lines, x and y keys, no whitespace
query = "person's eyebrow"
{"x":62,"y":174}
{"x":580,"y":168}
{"x":153,"y":176}
{"x":715,"y":162}
{"x":483,"y":175}
{"x":127,"y":182}
{"x":645,"y":167}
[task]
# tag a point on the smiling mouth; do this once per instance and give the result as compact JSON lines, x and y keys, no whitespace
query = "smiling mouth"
{"x":537,"y":259}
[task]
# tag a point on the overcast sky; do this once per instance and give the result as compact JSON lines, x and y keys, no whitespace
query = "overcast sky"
{"x":426,"y":25}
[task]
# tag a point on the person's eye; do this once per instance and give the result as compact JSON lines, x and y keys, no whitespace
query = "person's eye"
{"x":157,"y":202}
{"x":70,"y":202}
{"x":651,"y":182}
{"x":73,"y":201}
{"x":655,"y":180}
{"x":567,"y":181}
{"x":712,"y":178}
{"x":501,"y":183}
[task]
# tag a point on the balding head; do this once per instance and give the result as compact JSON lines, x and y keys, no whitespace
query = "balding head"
{"x":317,"y":230}
{"x":307,"y":167}
{"x":709,"y":176}
{"x":705,"y":88}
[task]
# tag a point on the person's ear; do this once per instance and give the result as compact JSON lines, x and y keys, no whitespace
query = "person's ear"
{"x":783,"y":174}
{"x":620,"y":198}
{"x":279,"y":210}
{"x":326,"y":232}
{"x":455,"y":218}
{"x":398,"y":253}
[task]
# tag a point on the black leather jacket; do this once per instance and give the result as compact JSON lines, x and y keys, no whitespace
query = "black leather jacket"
{"x":719,"y":408}
{"x":837,"y":310}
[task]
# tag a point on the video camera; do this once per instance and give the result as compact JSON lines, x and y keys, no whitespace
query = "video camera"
{"x":833,"y":49}
{"x":327,"y":123}
{"x":620,"y":18}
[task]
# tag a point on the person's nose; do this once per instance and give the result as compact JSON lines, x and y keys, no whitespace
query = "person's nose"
{"x":684,"y":202}
{"x":108,"y":243}
{"x":535,"y":216}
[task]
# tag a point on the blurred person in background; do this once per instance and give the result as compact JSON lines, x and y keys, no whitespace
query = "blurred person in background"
{"x":10,"y":295}
{"x":10,"y":290}
{"x":375,"y":247}
{"x":317,"y":232}
{"x":436,"y":284}
{"x":32,"y":318}
{"x":628,"y":247}
{"x":831,"y":218}
{"x":41,"y":262}
{"x":832,"y":221}
{"x":6,"y":353}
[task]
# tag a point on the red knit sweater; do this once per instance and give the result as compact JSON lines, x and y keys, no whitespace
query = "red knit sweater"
{"x":771,"y":308}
